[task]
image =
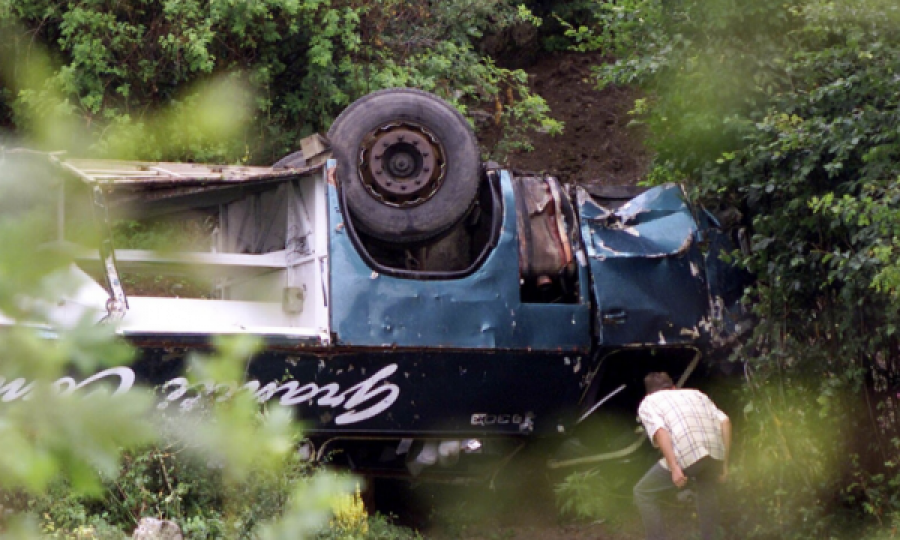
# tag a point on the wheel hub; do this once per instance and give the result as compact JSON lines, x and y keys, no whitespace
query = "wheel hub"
{"x":402,"y":164}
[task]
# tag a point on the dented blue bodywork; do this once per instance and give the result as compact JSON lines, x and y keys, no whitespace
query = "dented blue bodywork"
{"x":647,"y":271}
{"x":482,"y":310}
{"x":650,"y":282}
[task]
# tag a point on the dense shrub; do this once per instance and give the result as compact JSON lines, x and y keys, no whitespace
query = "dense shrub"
{"x":168,"y":482}
{"x":789,"y":110}
{"x":297,"y":62}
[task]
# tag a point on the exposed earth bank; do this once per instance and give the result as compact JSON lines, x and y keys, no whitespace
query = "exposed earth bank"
{"x":597,"y":146}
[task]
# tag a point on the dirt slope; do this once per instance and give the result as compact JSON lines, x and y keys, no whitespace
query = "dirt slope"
{"x":597,"y":146}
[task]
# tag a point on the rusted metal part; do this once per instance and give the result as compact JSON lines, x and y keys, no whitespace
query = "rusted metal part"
{"x":563,"y":231}
{"x":147,"y":188}
{"x":544,"y":248}
{"x":402,"y":164}
{"x":316,"y":150}
{"x":153,"y":175}
{"x":331,"y":176}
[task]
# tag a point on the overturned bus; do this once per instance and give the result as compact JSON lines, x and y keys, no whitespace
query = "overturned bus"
{"x":422,"y":312}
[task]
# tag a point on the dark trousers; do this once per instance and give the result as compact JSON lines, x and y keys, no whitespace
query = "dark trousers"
{"x":657,"y":482}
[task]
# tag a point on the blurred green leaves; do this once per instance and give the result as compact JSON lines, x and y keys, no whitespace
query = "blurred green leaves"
{"x":62,"y":424}
{"x":223,"y":431}
{"x":789,"y":112}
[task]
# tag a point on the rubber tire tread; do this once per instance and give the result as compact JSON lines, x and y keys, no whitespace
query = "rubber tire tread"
{"x":457,"y":193}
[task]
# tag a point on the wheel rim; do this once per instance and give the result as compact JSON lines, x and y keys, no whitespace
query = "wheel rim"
{"x":401,"y":164}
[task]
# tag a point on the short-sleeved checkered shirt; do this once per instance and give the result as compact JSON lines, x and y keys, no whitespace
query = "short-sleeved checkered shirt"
{"x":691,"y":418}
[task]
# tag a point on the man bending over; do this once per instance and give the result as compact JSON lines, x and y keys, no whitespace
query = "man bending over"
{"x":694,"y":437}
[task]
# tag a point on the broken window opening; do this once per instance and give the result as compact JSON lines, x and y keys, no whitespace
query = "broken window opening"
{"x":548,"y":240}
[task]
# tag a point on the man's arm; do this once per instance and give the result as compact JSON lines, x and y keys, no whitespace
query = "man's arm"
{"x":664,"y":441}
{"x":726,"y":441}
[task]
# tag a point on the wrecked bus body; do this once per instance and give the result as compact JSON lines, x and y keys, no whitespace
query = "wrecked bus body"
{"x":428,"y":329}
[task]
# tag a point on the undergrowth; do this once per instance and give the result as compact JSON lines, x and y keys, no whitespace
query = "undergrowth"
{"x":168,"y":483}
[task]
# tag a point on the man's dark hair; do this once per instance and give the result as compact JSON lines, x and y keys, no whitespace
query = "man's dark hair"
{"x":658,"y":380}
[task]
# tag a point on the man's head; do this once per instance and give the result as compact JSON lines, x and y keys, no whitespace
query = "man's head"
{"x":658,"y":380}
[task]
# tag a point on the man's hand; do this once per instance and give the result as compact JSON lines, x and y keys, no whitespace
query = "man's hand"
{"x":664,"y":441}
{"x":678,"y":477}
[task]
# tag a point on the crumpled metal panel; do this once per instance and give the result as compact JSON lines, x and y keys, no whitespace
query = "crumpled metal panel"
{"x":726,"y":281}
{"x":482,"y":310}
{"x":657,"y":223}
{"x":649,"y":278}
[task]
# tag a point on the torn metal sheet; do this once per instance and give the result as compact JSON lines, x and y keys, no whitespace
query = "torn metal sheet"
{"x":649,"y":278}
{"x":726,"y":281}
{"x":545,"y":249}
{"x":657,"y":223}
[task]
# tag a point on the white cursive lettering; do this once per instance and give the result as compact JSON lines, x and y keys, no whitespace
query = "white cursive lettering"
{"x":67,"y":385}
{"x":362,"y":401}
{"x":15,"y":389}
{"x":366,"y":391}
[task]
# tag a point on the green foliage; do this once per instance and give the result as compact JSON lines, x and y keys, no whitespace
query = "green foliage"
{"x":51,"y":434}
{"x":126,"y":70}
{"x":517,"y":117}
{"x":164,"y":235}
{"x":556,"y":19}
{"x":73,"y":456}
{"x":874,"y":216}
{"x":157,"y":481}
{"x":382,"y":528}
{"x":175,"y":483}
{"x":593,"y":495}
{"x":789,"y":112}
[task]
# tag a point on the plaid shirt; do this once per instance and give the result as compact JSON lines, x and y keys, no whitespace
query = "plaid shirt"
{"x":691,"y":418}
